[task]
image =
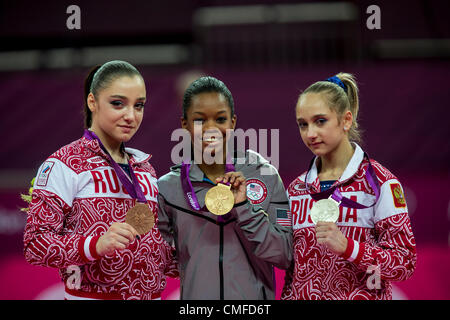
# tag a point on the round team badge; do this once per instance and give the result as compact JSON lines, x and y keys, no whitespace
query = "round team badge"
{"x":256,"y":191}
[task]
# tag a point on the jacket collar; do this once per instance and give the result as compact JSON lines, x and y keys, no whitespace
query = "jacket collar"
{"x":197,"y":175}
{"x":136,"y":157}
{"x":351,"y":169}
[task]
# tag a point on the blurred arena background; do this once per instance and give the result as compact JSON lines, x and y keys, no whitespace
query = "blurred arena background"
{"x":266,"y":52}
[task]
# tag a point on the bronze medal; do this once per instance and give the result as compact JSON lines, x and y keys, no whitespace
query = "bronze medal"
{"x":219,"y":199}
{"x":141,"y":218}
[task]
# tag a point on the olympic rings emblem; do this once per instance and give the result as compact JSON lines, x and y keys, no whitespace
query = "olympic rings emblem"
{"x":256,"y":191}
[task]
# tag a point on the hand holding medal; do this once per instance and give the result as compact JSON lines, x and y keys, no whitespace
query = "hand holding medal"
{"x":139,"y":220}
{"x":328,"y":234}
{"x":324,"y":214}
{"x":139,"y":217}
{"x":237,"y":185}
{"x":325,"y":211}
{"x":118,"y":237}
{"x":220,"y":199}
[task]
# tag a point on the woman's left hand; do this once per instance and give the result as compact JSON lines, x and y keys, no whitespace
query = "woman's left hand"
{"x":238,"y":185}
{"x":328,"y":234}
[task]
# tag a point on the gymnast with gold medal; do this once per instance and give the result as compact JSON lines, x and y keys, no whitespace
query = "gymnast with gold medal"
{"x":226,"y":242}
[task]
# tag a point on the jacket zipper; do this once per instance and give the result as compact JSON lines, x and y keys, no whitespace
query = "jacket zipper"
{"x":220,"y":257}
{"x":221,"y":263}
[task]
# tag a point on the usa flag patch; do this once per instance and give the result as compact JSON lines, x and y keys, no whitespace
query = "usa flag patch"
{"x":284,"y":217}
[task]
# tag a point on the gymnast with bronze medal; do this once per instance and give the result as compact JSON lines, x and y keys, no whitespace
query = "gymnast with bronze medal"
{"x":94,"y":203}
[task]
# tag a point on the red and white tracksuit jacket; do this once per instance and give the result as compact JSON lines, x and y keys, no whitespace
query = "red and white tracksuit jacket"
{"x":77,"y":196}
{"x":381,"y":245}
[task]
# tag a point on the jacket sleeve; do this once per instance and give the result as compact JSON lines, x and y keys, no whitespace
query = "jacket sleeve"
{"x":165,"y":224}
{"x":45,"y":242}
{"x":259,"y":230}
{"x":165,"y":227}
{"x":393,"y":255}
{"x":287,"y":291}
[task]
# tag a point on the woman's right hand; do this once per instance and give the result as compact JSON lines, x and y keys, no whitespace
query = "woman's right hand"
{"x":238,"y":185}
{"x":118,"y":237}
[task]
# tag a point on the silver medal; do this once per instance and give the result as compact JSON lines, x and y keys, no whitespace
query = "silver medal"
{"x":326,"y":210}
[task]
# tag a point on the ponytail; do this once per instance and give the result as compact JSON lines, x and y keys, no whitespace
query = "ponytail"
{"x":353,"y":99}
{"x":87,"y":90}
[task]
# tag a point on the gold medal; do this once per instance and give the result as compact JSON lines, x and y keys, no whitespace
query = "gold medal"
{"x":141,"y":218}
{"x":219,"y":199}
{"x":326,"y":210}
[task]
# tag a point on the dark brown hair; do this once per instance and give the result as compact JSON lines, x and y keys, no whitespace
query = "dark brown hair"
{"x":100,"y":77}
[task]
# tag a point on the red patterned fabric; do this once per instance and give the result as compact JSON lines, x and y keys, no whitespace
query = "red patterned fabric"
{"x":76,"y":197}
{"x":381,"y":246}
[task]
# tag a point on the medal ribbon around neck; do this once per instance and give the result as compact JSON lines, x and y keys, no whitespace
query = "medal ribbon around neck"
{"x":188,"y":189}
{"x":337,"y":196}
{"x":132,"y":187}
